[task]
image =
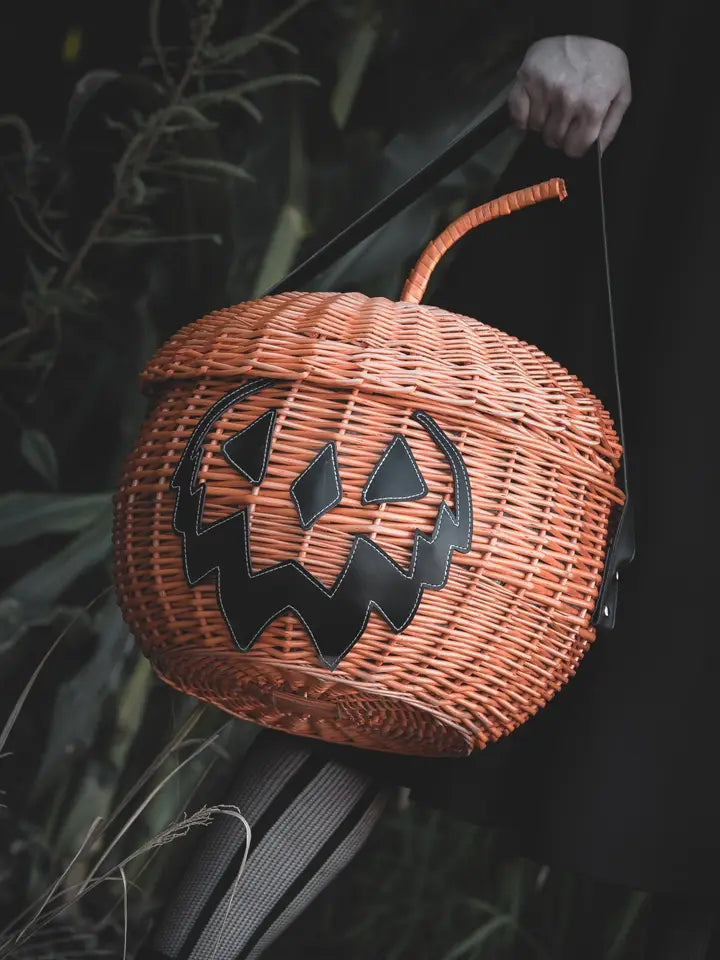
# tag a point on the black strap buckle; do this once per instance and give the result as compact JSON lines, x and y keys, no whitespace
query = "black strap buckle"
{"x":621,"y":552}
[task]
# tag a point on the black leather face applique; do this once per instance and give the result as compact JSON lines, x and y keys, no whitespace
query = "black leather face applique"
{"x":318,"y":488}
{"x":334,"y":617}
{"x":249,"y":450}
{"x":396,"y":477}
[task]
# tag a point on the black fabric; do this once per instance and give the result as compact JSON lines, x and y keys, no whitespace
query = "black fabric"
{"x":591,"y":18}
{"x":224,"y":881}
{"x":617,"y":776}
{"x":680,"y":929}
{"x":333,"y":842}
{"x":307,"y":817}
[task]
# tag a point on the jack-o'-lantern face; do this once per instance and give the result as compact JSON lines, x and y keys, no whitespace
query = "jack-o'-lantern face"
{"x":334,"y":616}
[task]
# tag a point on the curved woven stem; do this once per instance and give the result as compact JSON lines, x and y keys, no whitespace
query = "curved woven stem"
{"x":417,"y":282}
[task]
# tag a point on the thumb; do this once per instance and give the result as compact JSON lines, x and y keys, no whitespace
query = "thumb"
{"x":519,"y":104}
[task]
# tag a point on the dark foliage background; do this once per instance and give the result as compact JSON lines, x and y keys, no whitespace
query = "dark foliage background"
{"x":159,"y":160}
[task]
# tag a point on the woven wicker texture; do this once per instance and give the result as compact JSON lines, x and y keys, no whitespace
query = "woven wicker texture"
{"x":482,"y":654}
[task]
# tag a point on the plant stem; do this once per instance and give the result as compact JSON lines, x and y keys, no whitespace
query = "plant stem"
{"x":144,"y":150}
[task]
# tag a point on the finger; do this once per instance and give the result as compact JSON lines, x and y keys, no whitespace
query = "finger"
{"x":612,"y":121}
{"x":558,"y":121}
{"x":519,"y":104}
{"x":539,"y":109}
{"x":582,"y":133}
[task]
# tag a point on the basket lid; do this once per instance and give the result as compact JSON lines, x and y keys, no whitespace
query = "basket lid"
{"x":402,"y":349}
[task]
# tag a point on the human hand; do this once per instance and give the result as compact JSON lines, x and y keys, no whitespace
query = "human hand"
{"x":573,"y":90}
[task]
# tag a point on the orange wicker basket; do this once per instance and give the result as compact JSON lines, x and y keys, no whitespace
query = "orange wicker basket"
{"x":370,"y":522}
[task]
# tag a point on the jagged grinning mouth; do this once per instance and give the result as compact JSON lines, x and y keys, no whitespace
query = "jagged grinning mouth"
{"x":334,"y":617}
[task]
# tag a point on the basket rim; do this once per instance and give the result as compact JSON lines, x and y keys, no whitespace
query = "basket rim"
{"x":233,"y":314}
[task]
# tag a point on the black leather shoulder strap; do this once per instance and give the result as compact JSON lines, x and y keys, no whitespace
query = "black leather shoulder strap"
{"x":481,"y":132}
{"x":472,"y":139}
{"x":621,"y":549}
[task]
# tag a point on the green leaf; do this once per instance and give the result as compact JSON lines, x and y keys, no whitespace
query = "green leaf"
{"x":24,"y":516}
{"x":190,"y":116}
{"x":292,"y":225}
{"x":281,"y":253}
{"x":33,"y":225}
{"x":37,"y":450}
{"x":20,"y":701}
{"x":210,"y":165}
{"x":136,"y":238}
{"x":217,"y":97}
{"x":238,"y":93}
{"x":86,"y":89}
{"x":35,"y":594}
{"x":39,"y":589}
{"x":479,"y":937}
{"x":352,"y":64}
{"x":276,"y":80}
{"x":635,"y":903}
{"x":80,"y":701}
{"x":11,"y":120}
{"x":154,"y":30}
{"x":241,"y":46}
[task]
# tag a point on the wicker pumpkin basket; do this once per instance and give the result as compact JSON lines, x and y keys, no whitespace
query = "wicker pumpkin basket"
{"x":372,"y":522}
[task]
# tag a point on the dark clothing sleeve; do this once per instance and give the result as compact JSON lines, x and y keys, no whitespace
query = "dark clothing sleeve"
{"x":604,"y":19}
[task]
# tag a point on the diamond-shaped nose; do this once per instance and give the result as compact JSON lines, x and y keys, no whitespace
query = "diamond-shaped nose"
{"x":317,"y":489}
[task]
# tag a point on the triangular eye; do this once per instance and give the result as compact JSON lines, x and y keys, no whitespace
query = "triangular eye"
{"x":396,"y":476}
{"x":249,"y":450}
{"x":318,"y":488}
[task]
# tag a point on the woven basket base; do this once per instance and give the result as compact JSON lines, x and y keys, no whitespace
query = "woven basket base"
{"x":304,"y":705}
